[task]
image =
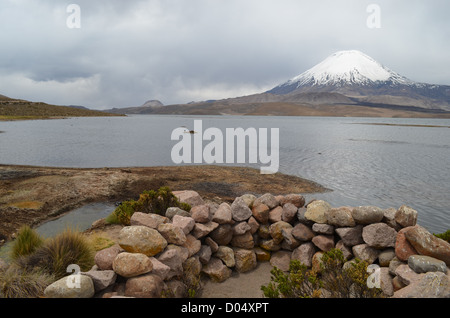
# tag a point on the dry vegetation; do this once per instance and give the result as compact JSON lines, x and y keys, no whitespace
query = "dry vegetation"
{"x":16,"y":109}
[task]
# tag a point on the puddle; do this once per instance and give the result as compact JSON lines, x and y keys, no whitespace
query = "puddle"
{"x":79,"y":219}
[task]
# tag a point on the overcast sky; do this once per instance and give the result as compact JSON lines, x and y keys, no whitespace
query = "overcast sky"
{"x":177,"y":51}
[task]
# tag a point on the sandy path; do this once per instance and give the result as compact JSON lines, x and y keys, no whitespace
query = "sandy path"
{"x":239,"y":285}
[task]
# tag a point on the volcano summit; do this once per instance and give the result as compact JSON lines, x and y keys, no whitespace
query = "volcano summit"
{"x":341,"y":69}
{"x":347,"y":83}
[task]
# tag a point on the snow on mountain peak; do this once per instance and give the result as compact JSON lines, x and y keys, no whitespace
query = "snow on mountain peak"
{"x":348,"y":67}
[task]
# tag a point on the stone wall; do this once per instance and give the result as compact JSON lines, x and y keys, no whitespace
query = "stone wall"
{"x":165,"y":254}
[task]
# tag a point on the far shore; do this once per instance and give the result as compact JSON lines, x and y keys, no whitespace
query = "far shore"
{"x":32,"y":195}
{"x":26,"y":118}
{"x":403,"y":125}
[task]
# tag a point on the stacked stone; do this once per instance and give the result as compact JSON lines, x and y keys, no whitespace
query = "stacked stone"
{"x":159,"y":254}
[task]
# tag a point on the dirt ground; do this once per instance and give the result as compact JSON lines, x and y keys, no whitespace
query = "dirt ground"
{"x":33,"y":195}
{"x":239,"y":285}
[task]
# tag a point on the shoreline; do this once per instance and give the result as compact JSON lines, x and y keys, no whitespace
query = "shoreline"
{"x":403,"y":125}
{"x":28,"y":118}
{"x":33,"y":195}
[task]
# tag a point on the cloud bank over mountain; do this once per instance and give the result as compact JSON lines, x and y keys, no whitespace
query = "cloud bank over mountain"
{"x":127,"y":52}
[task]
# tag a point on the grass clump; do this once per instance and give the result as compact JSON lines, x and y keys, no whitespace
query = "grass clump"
{"x":16,"y":282}
{"x":67,"y":248}
{"x":333,"y":280}
{"x":150,"y":201}
{"x":27,"y":241}
{"x":37,"y":262}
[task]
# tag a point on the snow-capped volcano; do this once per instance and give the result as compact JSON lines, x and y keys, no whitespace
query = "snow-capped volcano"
{"x":344,"y":68}
{"x":349,"y":67}
{"x":358,"y":76}
{"x":347,"y":83}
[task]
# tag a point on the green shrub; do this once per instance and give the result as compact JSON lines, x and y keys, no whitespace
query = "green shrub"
{"x":68,"y":247}
{"x":445,"y":236}
{"x":122,"y":214}
{"x":16,"y":282}
{"x":149,"y":201}
{"x":299,"y":282}
{"x":346,"y":282}
{"x":159,"y":201}
{"x":333,"y":280}
{"x":27,"y":241}
{"x":112,"y":219}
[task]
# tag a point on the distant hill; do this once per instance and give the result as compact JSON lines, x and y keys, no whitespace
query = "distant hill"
{"x":298,"y":109}
{"x":146,"y":108}
{"x":152,"y":103}
{"x":13,"y":109}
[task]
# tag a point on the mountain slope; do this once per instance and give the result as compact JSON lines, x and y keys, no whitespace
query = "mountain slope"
{"x":354,"y":74}
{"x":12,"y":109}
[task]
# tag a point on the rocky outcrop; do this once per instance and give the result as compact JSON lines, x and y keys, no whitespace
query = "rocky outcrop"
{"x":159,"y":255}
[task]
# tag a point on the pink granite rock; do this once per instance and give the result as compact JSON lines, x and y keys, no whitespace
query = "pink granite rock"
{"x":427,"y":244}
{"x":403,"y":249}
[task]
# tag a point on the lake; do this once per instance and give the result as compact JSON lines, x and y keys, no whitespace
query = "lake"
{"x":362,"y":163}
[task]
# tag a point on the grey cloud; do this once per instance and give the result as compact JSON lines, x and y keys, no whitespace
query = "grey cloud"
{"x":176,"y":51}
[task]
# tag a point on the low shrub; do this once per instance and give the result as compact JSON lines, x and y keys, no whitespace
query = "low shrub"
{"x":299,"y":282}
{"x":157,"y":201}
{"x":333,"y":280}
{"x":150,"y":201}
{"x":27,"y":241}
{"x":122,"y":214}
{"x":349,"y":281}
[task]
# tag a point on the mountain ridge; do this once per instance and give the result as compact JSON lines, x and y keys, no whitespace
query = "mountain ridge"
{"x":19,"y":109}
{"x":347,"y":83}
{"x":355,"y":74}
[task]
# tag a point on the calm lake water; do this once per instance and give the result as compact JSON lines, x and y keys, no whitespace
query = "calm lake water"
{"x":386,"y":166}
